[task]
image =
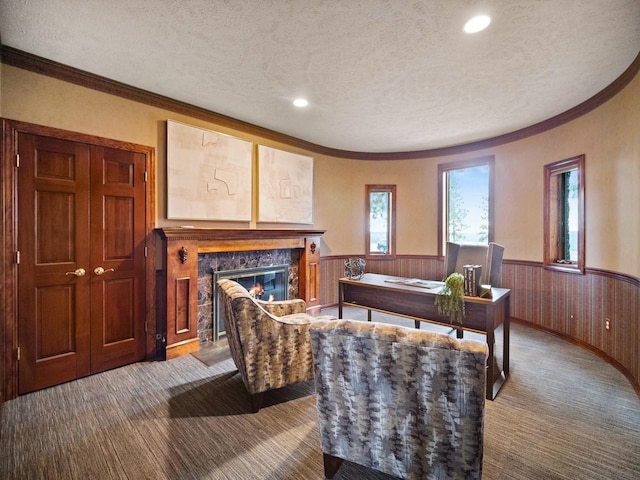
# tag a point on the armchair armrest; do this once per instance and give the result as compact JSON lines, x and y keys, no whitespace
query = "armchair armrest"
{"x":284,"y":307}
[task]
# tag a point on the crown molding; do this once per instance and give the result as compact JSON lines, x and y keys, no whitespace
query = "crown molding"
{"x":27,"y":61}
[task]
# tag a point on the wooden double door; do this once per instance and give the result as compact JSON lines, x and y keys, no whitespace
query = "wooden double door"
{"x":81,"y":259}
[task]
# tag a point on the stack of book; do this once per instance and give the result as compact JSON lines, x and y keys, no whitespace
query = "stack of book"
{"x":471,"y":275}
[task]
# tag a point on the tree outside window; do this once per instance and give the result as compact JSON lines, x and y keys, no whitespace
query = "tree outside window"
{"x":380,"y":224}
{"x":465,"y":192}
{"x":564,"y":215}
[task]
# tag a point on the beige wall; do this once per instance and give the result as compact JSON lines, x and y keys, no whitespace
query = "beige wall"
{"x":608,"y":136}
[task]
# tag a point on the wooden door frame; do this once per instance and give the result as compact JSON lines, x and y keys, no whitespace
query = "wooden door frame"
{"x":9,"y":239}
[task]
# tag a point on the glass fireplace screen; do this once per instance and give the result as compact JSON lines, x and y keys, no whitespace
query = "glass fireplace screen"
{"x":263,"y":283}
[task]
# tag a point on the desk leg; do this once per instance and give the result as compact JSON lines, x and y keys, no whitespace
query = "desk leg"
{"x":340,"y":299}
{"x":507,"y":334}
{"x":497,"y":374}
{"x":368,"y":315}
{"x":490,"y":360}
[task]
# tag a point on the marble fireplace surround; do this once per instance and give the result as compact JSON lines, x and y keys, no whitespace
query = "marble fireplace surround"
{"x":189,"y":257}
{"x":211,"y":263}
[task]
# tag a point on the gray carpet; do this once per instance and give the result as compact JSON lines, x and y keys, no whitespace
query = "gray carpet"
{"x":563,"y":414}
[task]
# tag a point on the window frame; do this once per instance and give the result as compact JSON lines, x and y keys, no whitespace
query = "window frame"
{"x":391,"y":250}
{"x":443,"y":170}
{"x":551,"y":243}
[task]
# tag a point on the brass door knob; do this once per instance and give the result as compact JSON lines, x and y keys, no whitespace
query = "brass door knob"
{"x":100,"y":270}
{"x":80,"y":272}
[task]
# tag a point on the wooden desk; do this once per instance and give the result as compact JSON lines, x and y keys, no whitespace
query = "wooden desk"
{"x":487,"y":316}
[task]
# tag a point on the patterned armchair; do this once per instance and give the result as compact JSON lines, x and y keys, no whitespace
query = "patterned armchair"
{"x":269,"y":341}
{"x":406,"y":402}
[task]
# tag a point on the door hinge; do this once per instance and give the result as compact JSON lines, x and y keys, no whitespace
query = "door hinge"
{"x":18,"y":160}
{"x":145,"y":176}
{"x":146,"y":323}
{"x":18,"y":257}
{"x":145,"y":251}
{"x":18,"y":354}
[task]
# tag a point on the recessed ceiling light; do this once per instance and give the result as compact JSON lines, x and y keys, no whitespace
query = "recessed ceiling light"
{"x":300,"y":102}
{"x":477,"y":24}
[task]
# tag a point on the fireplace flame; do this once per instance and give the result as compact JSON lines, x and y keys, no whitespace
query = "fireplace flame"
{"x":256,"y":290}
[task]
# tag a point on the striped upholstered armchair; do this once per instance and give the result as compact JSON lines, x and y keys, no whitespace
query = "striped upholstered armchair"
{"x":406,"y":402}
{"x":269,"y":341}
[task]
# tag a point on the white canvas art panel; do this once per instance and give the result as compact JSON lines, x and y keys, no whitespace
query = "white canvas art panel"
{"x":208,"y":174}
{"x":285,"y":186}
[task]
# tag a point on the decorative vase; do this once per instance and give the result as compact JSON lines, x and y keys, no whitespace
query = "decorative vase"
{"x":354,"y":268}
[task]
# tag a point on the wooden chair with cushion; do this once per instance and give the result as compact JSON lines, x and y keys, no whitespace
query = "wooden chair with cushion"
{"x":406,"y":402}
{"x":269,"y":341}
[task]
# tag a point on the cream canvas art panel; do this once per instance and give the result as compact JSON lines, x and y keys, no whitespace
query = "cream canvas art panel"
{"x":285,"y":184}
{"x":208,"y":175}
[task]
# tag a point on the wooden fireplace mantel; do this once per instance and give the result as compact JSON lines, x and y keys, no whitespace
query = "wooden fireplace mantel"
{"x":178,"y":278}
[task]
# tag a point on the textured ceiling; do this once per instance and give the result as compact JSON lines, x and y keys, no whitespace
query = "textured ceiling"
{"x":380,"y":75}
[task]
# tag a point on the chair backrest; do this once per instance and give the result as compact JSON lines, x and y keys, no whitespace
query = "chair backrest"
{"x":407,"y":402}
{"x":489,"y":256}
{"x":269,"y":352}
{"x":244,"y":323}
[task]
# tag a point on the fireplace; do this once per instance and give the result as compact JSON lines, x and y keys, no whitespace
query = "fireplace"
{"x":185,"y":299}
{"x":264,"y":283}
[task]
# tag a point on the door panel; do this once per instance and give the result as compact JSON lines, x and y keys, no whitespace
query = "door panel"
{"x":55,"y":329}
{"x":118,"y":324}
{"x":118,"y":234}
{"x":53,"y":318}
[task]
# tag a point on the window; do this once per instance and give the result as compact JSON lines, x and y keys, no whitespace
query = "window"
{"x":381,"y":221}
{"x":564,"y":215}
{"x":465,"y":196}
